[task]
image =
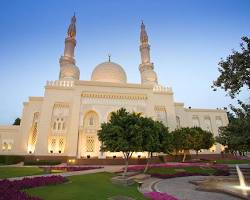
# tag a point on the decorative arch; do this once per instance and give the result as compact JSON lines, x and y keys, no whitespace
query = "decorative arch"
{"x":89,"y":140}
{"x":59,"y":127}
{"x":33,"y":133}
{"x":91,"y":120}
{"x":195,"y":121}
{"x":208,"y":123}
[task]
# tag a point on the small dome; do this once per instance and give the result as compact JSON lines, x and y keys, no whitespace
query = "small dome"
{"x":109,"y":72}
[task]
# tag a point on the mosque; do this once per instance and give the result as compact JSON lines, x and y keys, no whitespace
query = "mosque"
{"x":65,"y":121}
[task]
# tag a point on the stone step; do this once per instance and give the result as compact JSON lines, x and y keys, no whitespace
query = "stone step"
{"x":243,"y":170}
{"x":235,"y":172}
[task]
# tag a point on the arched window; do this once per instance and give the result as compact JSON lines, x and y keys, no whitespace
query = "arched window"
{"x":63,"y":126}
{"x":59,"y":126}
{"x":5,"y":146}
{"x":91,"y":121}
{"x":90,"y":144}
{"x":9,"y":146}
{"x":54,"y":126}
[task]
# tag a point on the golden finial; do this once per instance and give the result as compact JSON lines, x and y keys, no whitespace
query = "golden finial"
{"x":72,"y":27}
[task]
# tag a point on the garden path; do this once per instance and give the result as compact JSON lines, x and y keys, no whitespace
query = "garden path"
{"x":183,"y":190}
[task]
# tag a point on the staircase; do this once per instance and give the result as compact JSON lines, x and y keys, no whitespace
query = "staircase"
{"x":244,"y":168}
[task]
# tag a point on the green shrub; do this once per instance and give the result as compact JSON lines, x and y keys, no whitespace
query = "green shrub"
{"x":42,"y":162}
{"x":10,"y":159}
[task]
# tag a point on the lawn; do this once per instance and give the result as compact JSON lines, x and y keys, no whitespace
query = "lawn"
{"x":232,"y":161}
{"x":90,"y":187}
{"x":165,"y":170}
{"x":8,"y":172}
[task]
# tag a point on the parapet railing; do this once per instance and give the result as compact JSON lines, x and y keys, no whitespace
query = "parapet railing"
{"x":60,"y":83}
{"x":162,"y":89}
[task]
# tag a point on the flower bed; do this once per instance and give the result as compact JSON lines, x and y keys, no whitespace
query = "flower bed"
{"x":176,"y":165}
{"x":11,"y":190}
{"x":69,"y":168}
{"x":159,"y":196}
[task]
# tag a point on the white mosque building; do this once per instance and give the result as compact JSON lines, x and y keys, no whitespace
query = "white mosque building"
{"x":64,"y":122}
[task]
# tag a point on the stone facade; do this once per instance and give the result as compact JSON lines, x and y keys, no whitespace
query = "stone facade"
{"x":65,"y":121}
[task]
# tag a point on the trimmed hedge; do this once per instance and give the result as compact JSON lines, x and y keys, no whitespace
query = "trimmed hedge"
{"x":42,"y":162}
{"x":11,"y":159}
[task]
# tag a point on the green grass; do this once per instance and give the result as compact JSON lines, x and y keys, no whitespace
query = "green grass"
{"x":164,"y":170}
{"x":232,"y":161}
{"x":90,"y":187}
{"x":9,"y":172}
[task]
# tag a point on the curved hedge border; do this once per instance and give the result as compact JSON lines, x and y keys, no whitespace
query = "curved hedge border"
{"x":42,"y":162}
{"x":11,"y":159}
{"x":70,"y":168}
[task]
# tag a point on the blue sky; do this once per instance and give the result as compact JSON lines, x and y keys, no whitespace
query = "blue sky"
{"x":187,"y":39}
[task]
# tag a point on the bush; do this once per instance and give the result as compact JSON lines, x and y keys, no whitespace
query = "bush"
{"x":10,"y":159}
{"x":42,"y":162}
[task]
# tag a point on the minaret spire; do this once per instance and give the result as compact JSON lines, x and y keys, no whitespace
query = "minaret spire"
{"x":144,"y":36}
{"x":148,"y":75}
{"x":68,"y":69}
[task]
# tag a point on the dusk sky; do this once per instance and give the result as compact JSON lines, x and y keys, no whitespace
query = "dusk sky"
{"x":187,"y":40}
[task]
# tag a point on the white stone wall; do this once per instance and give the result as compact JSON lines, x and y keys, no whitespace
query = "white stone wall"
{"x":82,"y":97}
{"x":207,"y":119}
{"x":10,"y":140}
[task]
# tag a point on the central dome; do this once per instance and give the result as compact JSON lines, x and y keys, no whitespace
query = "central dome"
{"x":109,"y":72}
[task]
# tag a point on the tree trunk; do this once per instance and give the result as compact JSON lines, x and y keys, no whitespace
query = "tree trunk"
{"x":184,"y":156}
{"x":197,"y":154}
{"x":126,"y":167}
{"x":148,"y":160}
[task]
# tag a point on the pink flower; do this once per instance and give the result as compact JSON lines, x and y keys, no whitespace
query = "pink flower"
{"x":159,"y":196}
{"x":11,"y":190}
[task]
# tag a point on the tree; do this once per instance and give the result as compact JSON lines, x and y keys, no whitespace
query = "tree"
{"x":122,"y":134}
{"x":201,"y":139}
{"x":235,"y":75}
{"x":182,"y":140}
{"x":235,"y":70}
{"x":17,"y":122}
{"x":236,"y":136}
{"x":156,"y":138}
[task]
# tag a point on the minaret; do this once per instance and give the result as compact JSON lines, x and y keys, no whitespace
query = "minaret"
{"x":148,"y":75}
{"x":68,"y":69}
